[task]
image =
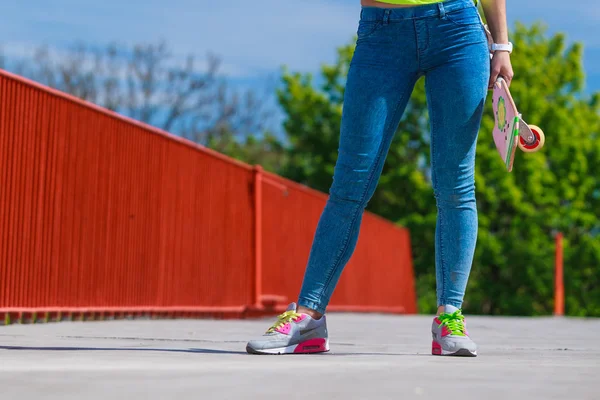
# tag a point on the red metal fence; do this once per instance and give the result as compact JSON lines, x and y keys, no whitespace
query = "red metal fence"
{"x":379,"y":276}
{"x":102,"y":215}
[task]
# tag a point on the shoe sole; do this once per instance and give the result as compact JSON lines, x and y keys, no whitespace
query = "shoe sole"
{"x":436,"y":350}
{"x":311,"y":346}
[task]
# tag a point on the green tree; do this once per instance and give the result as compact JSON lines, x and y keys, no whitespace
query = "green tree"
{"x":266,"y":150}
{"x":553,"y":190}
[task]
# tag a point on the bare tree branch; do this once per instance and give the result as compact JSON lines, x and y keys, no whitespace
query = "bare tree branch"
{"x":147,"y":83}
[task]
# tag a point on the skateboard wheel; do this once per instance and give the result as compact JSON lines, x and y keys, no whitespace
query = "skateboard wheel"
{"x":540,"y":139}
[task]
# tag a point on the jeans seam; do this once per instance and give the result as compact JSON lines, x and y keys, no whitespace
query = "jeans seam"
{"x":357,"y":209}
{"x":344,"y":249}
{"x":442,"y":263}
{"x":439,"y":209}
{"x":417,"y":44}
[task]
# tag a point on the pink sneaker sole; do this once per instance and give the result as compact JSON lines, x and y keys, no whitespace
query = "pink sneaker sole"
{"x":307,"y":347}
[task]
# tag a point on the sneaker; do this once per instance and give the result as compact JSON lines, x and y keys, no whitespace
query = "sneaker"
{"x":292,"y":333}
{"x":450,"y":336}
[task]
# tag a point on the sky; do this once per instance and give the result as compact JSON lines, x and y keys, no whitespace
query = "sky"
{"x":254,"y":38}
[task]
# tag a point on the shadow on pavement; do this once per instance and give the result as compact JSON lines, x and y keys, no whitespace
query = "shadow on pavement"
{"x":76,"y":348}
{"x":196,"y":350}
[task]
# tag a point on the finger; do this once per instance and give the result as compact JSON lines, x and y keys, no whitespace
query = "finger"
{"x":508,"y":77}
{"x":494,"y":74}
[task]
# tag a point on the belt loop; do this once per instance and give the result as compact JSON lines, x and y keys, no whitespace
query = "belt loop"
{"x":386,"y":16}
{"x":442,"y":10}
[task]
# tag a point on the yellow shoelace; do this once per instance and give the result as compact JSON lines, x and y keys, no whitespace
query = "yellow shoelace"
{"x":283,"y":319}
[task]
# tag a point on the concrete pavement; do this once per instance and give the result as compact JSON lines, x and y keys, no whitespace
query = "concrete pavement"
{"x":372,"y":357}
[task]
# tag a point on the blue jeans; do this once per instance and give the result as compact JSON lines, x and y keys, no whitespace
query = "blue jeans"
{"x":446,"y":43}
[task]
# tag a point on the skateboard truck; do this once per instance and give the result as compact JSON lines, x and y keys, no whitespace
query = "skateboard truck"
{"x":527,"y":134}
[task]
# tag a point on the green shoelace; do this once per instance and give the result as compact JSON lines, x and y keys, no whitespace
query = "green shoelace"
{"x":455,"y":322}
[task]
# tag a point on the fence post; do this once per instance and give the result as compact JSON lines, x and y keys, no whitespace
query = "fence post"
{"x":258,"y":177}
{"x":559,"y":290}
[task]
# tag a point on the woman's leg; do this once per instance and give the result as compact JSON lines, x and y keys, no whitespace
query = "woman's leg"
{"x":380,"y":81}
{"x":457,"y":74}
{"x":456,"y":92}
{"x":381,"y":78}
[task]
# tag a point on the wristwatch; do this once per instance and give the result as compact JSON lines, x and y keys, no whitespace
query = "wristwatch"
{"x":502,"y":47}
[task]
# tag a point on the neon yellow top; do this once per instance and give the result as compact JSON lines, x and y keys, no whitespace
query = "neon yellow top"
{"x":407,"y":2}
{"x":415,"y":2}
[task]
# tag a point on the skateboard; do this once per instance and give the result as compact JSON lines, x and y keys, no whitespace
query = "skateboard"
{"x":510,"y":131}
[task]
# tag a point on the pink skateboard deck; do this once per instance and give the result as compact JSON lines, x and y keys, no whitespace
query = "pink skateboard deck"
{"x":506,"y":127}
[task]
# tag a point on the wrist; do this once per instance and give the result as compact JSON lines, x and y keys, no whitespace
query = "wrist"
{"x":507,"y":47}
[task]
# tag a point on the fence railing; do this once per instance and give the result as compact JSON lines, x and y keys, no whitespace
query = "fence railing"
{"x":101,"y":215}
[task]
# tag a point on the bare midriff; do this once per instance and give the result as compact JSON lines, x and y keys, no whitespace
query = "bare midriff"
{"x":373,"y":3}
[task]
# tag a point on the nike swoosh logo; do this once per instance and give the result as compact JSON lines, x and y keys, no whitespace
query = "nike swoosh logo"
{"x":304,"y":332}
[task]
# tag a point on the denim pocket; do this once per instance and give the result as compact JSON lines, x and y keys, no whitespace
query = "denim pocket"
{"x":367,"y":28}
{"x":464,"y":17}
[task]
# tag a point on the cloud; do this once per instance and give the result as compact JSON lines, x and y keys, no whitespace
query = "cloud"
{"x":18,"y":50}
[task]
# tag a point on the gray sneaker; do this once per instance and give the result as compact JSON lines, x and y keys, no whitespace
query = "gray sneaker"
{"x":293,"y":333}
{"x":450,"y":336}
